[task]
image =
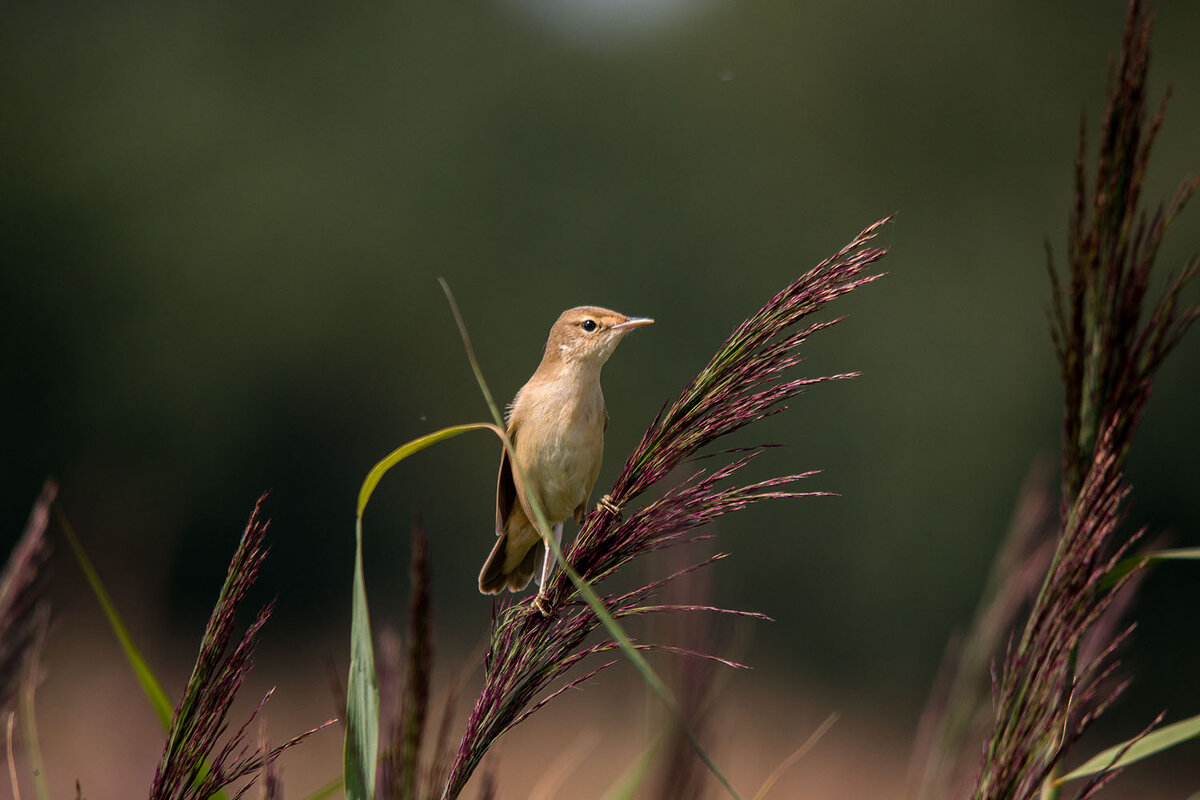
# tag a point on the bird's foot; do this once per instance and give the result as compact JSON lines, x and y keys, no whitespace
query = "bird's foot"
{"x":540,"y":604}
{"x":606,"y":504}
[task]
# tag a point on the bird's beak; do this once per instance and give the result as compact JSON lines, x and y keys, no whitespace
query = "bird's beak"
{"x":632,"y":322}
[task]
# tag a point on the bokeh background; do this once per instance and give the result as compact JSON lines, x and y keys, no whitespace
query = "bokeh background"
{"x":222,"y":228}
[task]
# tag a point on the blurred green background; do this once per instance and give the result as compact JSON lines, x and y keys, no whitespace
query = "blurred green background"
{"x":222,"y":227}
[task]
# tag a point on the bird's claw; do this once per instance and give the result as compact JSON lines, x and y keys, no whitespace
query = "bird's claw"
{"x":606,"y":504}
{"x":539,"y":603}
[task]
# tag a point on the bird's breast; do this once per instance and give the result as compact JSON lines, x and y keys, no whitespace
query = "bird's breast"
{"x":560,"y":444}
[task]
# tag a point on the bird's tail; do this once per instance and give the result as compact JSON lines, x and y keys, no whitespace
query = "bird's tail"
{"x":497,"y":575}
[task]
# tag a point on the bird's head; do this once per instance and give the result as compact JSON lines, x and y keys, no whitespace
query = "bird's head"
{"x":587,"y":335}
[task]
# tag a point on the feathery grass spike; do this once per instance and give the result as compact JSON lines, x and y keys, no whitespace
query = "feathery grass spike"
{"x":1048,"y":691}
{"x":196,"y":764}
{"x":742,"y":383}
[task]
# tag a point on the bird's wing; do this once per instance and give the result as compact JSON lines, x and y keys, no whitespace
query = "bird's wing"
{"x":506,"y":488}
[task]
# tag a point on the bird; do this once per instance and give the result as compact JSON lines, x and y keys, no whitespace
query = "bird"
{"x":555,"y":426}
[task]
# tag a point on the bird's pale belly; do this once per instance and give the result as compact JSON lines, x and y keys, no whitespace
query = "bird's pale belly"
{"x":563,"y":469}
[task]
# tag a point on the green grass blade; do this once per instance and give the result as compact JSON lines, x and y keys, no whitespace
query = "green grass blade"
{"x":150,"y":684}
{"x":466,"y":340}
{"x":1128,"y":565}
{"x":627,"y":786}
{"x":585,"y":591}
{"x":326,"y":791}
{"x":1128,"y":752}
{"x":362,"y":685}
{"x":404,"y":451}
{"x":362,"y":692}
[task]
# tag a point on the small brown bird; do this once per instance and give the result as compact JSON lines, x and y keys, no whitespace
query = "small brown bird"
{"x":556,"y":425}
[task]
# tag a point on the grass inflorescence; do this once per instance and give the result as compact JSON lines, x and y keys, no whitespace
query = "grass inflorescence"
{"x":199,"y":759}
{"x":1047,"y":633}
{"x":743,"y":382}
{"x":1058,"y":671}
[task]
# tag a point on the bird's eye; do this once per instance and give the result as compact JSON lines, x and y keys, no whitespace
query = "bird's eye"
{"x":589,"y":325}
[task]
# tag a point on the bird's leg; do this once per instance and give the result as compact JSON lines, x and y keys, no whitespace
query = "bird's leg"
{"x":606,"y":504}
{"x":548,"y":559}
{"x":539,"y":602}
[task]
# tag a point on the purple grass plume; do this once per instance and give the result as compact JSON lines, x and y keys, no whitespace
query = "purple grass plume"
{"x":743,"y":382}
{"x":680,"y":773}
{"x":1044,"y":698}
{"x":1107,"y":355}
{"x":271,"y":784}
{"x":442,"y":749}
{"x":958,"y":715}
{"x":1057,"y":675}
{"x":420,"y":661}
{"x":195,"y":763}
{"x":24,"y":611}
{"x":411,"y":766}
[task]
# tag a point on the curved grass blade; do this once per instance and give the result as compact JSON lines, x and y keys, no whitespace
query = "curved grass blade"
{"x":1128,"y":565}
{"x":409,"y":448}
{"x":362,"y":691}
{"x":327,"y":790}
{"x":585,"y":591}
{"x":630,"y":782}
{"x":153,"y":690}
{"x":1128,"y":752}
{"x":362,"y":684}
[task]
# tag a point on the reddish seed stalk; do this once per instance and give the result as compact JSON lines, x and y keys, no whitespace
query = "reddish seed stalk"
{"x":742,"y":383}
{"x":1045,"y":695}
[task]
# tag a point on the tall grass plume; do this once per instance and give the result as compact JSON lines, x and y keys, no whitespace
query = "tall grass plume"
{"x":199,"y":758}
{"x":742,"y":383}
{"x":1058,"y":674}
